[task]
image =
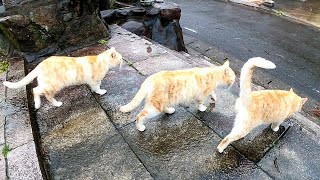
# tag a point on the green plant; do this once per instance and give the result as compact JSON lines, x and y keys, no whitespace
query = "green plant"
{"x":279,"y":13}
{"x":3,"y":66}
{"x":5,"y":150}
{"x":102,"y":41}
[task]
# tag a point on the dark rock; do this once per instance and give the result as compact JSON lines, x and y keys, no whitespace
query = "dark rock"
{"x":138,"y":11}
{"x":168,"y":34}
{"x":169,"y":11}
{"x":88,"y":29}
{"x":23,"y":34}
{"x":122,"y":13}
{"x":4,"y":46}
{"x":108,"y":16}
{"x":134,"y":27}
{"x":153,"y":12}
{"x":128,"y":1}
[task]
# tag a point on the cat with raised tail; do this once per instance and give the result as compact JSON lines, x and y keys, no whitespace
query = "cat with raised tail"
{"x":255,"y":108}
{"x":57,"y":72}
{"x":165,"y":89}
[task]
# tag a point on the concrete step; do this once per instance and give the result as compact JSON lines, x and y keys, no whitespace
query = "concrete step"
{"x":88,"y":137}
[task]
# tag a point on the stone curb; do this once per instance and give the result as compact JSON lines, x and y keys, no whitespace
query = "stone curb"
{"x":16,"y":132}
{"x":283,"y":14}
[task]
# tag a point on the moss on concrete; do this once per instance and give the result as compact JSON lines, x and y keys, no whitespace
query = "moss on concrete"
{"x":4,"y":65}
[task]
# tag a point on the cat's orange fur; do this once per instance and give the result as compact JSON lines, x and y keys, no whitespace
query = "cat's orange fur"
{"x":260,"y":107}
{"x":57,"y":72}
{"x":167,"y":88}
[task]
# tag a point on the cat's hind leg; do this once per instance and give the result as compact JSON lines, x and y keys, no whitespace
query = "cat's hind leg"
{"x":37,"y":92}
{"x":146,"y":113}
{"x":50,"y":98}
{"x":169,"y":110}
{"x":96,"y":88}
{"x":213,"y":96}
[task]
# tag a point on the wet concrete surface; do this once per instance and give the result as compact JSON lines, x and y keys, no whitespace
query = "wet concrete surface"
{"x":88,"y":138}
{"x":295,"y":156}
{"x":179,"y":146}
{"x":243,"y":33}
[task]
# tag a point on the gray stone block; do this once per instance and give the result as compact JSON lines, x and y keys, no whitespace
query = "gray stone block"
{"x":23,"y":163}
{"x":179,"y":146}
{"x":160,"y":63}
{"x":132,"y":47}
{"x":101,"y":157}
{"x":121,"y":86}
{"x":295,"y":156}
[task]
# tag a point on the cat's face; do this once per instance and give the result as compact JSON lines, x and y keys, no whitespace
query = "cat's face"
{"x":114,"y":57}
{"x":299,"y":100}
{"x":228,"y":76}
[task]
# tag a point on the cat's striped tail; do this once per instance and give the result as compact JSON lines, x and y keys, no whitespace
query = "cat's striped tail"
{"x":247,"y":70}
{"x":26,"y":80}
{"x":141,"y":94}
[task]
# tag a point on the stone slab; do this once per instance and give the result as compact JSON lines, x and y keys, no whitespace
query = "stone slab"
{"x":132,"y":47}
{"x":121,"y":86}
{"x":179,"y":146}
{"x":295,"y":156}
{"x":101,"y":157}
{"x":17,"y":128}
{"x":23,"y":163}
{"x":220,"y":117}
{"x":2,"y":141}
{"x":75,"y":99}
{"x":160,"y":63}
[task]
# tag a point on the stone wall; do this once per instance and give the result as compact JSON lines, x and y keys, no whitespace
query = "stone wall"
{"x":37,"y":25}
{"x":159,"y":22}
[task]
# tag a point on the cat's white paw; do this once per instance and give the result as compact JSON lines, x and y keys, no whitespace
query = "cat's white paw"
{"x":124,"y":109}
{"x":220,"y":150}
{"x":36,"y":105}
{"x":101,"y":91}
{"x":213,"y":97}
{"x":141,"y":127}
{"x":169,"y":110}
{"x":57,"y":103}
{"x":202,"y":108}
{"x":275,"y":129}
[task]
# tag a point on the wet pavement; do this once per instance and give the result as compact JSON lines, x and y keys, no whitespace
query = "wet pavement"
{"x":306,"y":11}
{"x":88,"y":138}
{"x":223,"y":30}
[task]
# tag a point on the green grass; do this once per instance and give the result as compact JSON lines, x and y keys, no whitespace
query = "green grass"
{"x":5,"y":150}
{"x":102,"y":41}
{"x":4,"y":65}
{"x":279,"y":13}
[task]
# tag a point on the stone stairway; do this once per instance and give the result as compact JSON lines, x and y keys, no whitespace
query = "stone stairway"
{"x":89,"y":138}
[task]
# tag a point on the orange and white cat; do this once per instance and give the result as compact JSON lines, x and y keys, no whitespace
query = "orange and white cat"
{"x":167,"y":88}
{"x":260,"y":107}
{"x":57,"y":72}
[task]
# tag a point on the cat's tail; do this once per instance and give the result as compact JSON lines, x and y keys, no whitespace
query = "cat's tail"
{"x":26,"y":80}
{"x":141,"y":94}
{"x":247,"y":70}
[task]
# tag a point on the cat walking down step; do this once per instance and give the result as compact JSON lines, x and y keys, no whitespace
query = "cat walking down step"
{"x":260,"y":107}
{"x":57,"y":72}
{"x":165,"y":89}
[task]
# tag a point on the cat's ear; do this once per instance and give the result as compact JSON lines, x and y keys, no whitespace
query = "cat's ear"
{"x":304,"y":100}
{"x":112,"y":49}
{"x":226,"y":64}
{"x":291,"y":90}
{"x":113,"y":54}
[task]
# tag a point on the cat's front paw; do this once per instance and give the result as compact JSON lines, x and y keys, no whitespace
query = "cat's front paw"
{"x":169,"y":110}
{"x":275,"y":129}
{"x":123,"y":109}
{"x":101,"y":91}
{"x":202,"y":108}
{"x":37,"y":105}
{"x":57,"y":103}
{"x":141,"y":127}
